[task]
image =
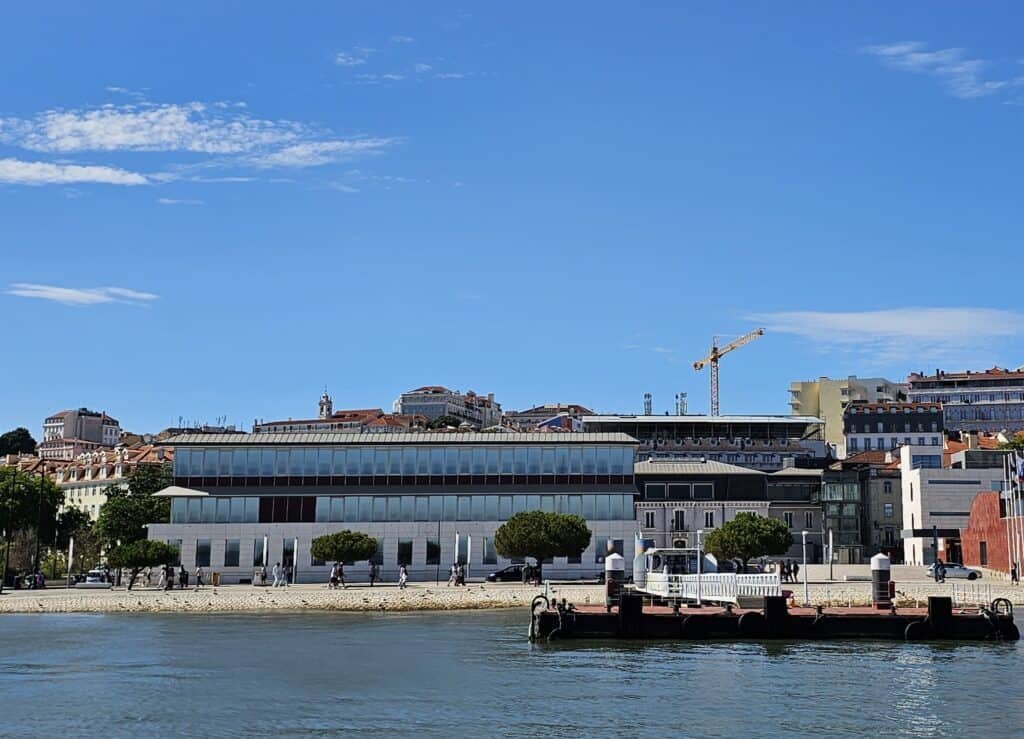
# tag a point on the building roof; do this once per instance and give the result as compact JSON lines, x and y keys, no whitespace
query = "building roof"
{"x":686,"y":467}
{"x":792,"y":420}
{"x":993,"y":373}
{"x":552,"y":409}
{"x":871,"y":456}
{"x":796,"y":472}
{"x":858,"y":407}
{"x":341,"y":438}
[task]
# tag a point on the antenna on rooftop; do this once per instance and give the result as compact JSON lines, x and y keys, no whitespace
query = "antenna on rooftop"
{"x":648,"y":403}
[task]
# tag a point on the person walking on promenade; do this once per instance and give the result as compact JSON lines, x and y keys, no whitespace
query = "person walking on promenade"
{"x":784,"y":571}
{"x":341,"y":575}
{"x":332,"y":582}
{"x":263,"y":575}
{"x":169,"y":584}
{"x":374,"y":573}
{"x":277,"y":574}
{"x":453,"y":574}
{"x":183,"y":579}
{"x":1015,"y":574}
{"x":796,"y":572}
{"x":199,"y":577}
{"x":403,"y":577}
{"x":163,"y":578}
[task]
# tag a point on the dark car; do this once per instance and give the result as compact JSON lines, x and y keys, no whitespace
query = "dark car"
{"x":512,"y":573}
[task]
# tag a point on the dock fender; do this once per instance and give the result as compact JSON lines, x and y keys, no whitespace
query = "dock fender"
{"x":752,"y":623}
{"x":917,"y":631}
{"x":1009,"y":631}
{"x":693,"y":627}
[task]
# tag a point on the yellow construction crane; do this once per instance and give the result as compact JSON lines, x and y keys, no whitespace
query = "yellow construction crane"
{"x":717,"y":353}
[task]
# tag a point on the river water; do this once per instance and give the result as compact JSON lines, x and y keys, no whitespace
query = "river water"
{"x":475,"y":674}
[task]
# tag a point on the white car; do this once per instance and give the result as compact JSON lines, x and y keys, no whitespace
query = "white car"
{"x":953,"y":569}
{"x":95,"y":579}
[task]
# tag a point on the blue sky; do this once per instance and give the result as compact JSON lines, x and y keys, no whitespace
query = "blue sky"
{"x":215,"y":209}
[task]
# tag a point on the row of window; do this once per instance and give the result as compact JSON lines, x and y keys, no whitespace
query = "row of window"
{"x":405,"y":460}
{"x":394,"y":508}
{"x":840,"y":491}
{"x":679,"y":491}
{"x":853,"y":443}
{"x":889,"y":428}
{"x":404,"y":553}
{"x":679,"y":519}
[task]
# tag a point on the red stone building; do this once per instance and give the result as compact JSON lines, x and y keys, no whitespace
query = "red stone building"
{"x":986,"y":540}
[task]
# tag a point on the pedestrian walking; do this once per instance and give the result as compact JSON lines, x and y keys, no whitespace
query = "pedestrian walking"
{"x":332,"y":583}
{"x":163,"y":578}
{"x":460,"y":575}
{"x":169,"y":584}
{"x":183,"y":579}
{"x":341,"y":574}
{"x":288,"y":575}
{"x":1015,"y":574}
{"x":453,"y":574}
{"x":374,"y":573}
{"x":277,"y":574}
{"x":796,"y":572}
{"x":263,"y":575}
{"x":403,"y":577}
{"x":199,"y":577}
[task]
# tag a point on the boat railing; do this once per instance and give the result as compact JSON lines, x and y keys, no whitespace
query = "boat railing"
{"x":721,"y":587}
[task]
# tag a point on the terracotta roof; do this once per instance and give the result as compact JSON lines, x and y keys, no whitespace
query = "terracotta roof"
{"x":873,"y":456}
{"x":991,"y":373}
{"x":431,"y":389}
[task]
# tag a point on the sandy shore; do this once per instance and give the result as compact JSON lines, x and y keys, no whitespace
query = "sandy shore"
{"x":423,"y":597}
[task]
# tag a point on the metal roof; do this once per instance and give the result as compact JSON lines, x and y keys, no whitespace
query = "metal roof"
{"x":342,"y":438}
{"x":803,"y":420}
{"x":654,"y":467}
{"x":174,"y":491}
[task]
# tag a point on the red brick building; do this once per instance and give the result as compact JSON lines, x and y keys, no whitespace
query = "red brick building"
{"x":985,"y":541}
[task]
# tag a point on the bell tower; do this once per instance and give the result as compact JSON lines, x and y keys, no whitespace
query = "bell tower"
{"x":326,"y":406}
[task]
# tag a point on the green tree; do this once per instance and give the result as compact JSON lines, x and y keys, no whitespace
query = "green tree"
{"x":127,"y":512}
{"x":17,"y":441}
{"x":747,"y":536}
{"x":443,"y":422}
{"x":344,"y":546}
{"x":27,"y":501}
{"x":76,"y":524}
{"x":542,"y":535}
{"x":139,"y":554}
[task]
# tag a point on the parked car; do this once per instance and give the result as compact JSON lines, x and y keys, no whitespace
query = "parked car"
{"x":95,"y":579}
{"x":954,"y":569}
{"x":512,"y":573}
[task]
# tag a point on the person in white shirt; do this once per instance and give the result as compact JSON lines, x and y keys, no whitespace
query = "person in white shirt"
{"x":277,"y":575}
{"x":403,"y":577}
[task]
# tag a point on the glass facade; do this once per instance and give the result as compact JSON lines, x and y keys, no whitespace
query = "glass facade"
{"x":407,"y":461}
{"x":215,"y":510}
{"x":385,"y":508}
{"x":231,"y":552}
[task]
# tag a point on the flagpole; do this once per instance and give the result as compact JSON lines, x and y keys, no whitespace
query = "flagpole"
{"x":1011,"y":540}
{"x":1016,"y":523}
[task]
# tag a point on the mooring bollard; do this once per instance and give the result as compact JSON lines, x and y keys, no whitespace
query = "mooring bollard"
{"x":881,"y":568}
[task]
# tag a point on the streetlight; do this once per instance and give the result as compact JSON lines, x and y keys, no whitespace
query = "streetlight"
{"x":803,"y":538}
{"x":39,"y":512}
{"x":7,"y":542}
{"x":700,"y":563}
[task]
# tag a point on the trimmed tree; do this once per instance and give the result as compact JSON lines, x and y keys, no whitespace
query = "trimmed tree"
{"x":344,"y":546}
{"x":140,"y":554}
{"x":541,"y":535}
{"x":443,"y":422}
{"x":17,"y":441}
{"x":748,"y":536}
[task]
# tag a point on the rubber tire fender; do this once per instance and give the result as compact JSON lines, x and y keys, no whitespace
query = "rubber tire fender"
{"x":752,"y":624}
{"x":693,"y":627}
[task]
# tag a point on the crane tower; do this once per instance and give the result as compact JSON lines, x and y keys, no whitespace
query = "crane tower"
{"x":716,"y":354}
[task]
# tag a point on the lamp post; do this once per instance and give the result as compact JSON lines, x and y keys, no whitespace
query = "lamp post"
{"x":39,"y":512}
{"x":803,"y":538}
{"x":700,"y":566}
{"x":7,"y":542}
{"x":831,"y":554}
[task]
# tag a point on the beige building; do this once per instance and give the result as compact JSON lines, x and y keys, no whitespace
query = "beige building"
{"x":84,"y":481}
{"x":827,"y":399}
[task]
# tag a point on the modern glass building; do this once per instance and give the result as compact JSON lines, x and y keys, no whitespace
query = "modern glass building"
{"x":420,"y":495}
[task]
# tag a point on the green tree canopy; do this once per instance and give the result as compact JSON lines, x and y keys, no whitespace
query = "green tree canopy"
{"x":17,"y":441}
{"x":127,"y":512}
{"x":443,"y":422}
{"x":140,"y":554}
{"x":542,"y":535}
{"x":344,"y":546}
{"x":747,"y":536}
{"x":23,"y":498}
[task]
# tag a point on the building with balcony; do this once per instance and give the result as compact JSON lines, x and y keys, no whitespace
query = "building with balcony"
{"x":416,"y":494}
{"x":827,"y":399}
{"x":992,"y":400}
{"x":67,"y":434}
{"x":880,"y":503}
{"x":86,"y":479}
{"x":759,"y":442}
{"x":355,"y":421}
{"x":678,"y":498}
{"x":882,"y":426}
{"x":435,"y":401}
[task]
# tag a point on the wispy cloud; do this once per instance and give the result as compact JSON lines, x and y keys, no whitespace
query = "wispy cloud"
{"x":178,"y":201}
{"x":900,"y":335}
{"x":315,"y":153}
{"x":377,"y":79}
{"x":216,"y":136}
{"x":355,"y":57}
{"x":668,"y":353}
{"x":400,"y":39}
{"x":80,"y":296}
{"x":962,"y":75}
{"x":19,"y":172}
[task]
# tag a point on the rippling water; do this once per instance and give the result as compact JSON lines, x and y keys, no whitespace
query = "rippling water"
{"x":475,"y":673}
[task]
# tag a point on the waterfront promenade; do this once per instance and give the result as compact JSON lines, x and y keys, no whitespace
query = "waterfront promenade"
{"x":429,"y":597}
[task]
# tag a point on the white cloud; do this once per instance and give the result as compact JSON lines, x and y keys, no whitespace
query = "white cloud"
{"x":399,"y":39}
{"x":452,"y":75}
{"x":80,"y":296}
{"x":189,"y":127}
{"x":422,"y":68}
{"x":898,"y":335}
{"x":315,"y":153}
{"x":961,"y":75}
{"x":177,"y":201}
{"x":376,"y":79}
{"x":344,"y":59}
{"x":18,"y":172}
